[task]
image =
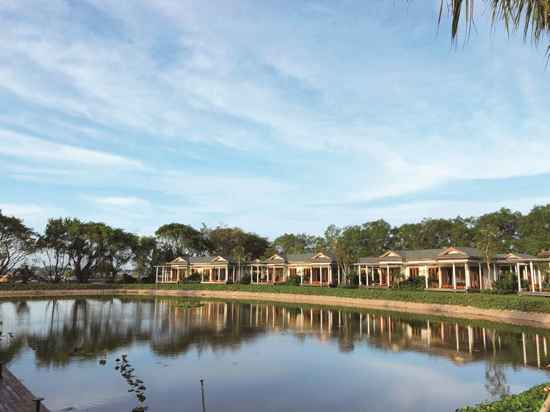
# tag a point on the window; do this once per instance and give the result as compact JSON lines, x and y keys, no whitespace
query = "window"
{"x":414,"y":272}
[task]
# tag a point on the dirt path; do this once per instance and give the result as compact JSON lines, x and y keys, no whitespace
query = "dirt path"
{"x":453,"y":311}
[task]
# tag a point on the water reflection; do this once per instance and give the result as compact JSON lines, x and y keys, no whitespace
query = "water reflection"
{"x":61,"y":332}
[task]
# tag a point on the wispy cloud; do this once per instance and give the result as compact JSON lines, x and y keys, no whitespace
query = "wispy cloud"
{"x":30,"y":148}
{"x":234,"y":112}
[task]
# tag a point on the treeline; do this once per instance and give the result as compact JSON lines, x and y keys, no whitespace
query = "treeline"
{"x":70,"y":247}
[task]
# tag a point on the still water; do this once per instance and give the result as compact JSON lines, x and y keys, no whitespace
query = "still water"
{"x":260,"y":357}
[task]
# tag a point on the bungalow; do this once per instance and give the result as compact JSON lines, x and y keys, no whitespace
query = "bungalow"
{"x":212,"y":269}
{"x":457,"y":268}
{"x":314,"y":269}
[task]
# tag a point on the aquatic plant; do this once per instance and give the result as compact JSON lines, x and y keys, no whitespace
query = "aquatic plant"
{"x":135,"y":384}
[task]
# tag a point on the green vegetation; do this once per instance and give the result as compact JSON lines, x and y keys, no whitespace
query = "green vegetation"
{"x":478,"y":300}
{"x":86,"y":251}
{"x":530,"y":400}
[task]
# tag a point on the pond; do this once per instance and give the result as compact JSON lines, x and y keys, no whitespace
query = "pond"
{"x":120,"y":353}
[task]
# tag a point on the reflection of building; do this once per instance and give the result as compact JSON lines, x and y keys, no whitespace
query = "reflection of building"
{"x":450,"y":268}
{"x":453,"y":268}
{"x":172,"y":326}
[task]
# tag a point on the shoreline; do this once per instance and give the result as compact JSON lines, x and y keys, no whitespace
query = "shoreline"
{"x":519,"y":318}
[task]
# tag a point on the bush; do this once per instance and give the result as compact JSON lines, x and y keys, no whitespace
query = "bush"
{"x":508,"y":284}
{"x":416,"y":283}
{"x":293,"y":281}
{"x":192,"y":278}
{"x":245,"y":279}
{"x":530,"y":400}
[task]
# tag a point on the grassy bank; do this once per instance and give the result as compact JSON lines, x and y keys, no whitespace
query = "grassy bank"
{"x":530,"y":400}
{"x":479,"y":300}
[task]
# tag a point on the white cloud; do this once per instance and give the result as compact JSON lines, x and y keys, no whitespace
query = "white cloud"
{"x":30,"y":148}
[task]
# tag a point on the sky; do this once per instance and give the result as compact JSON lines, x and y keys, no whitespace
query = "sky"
{"x":274,"y":116}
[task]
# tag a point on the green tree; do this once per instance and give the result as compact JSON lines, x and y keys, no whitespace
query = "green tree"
{"x":535,"y":230}
{"x":290,"y":243}
{"x":507,"y":228}
{"x":181,"y":240}
{"x":53,"y":247}
{"x":146,"y":255}
{"x":87,"y":247}
{"x":487,"y":242}
{"x":17,"y":242}
{"x":378,"y":235}
{"x":118,"y":251}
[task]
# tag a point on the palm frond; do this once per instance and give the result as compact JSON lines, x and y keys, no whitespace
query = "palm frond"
{"x":532,"y":17}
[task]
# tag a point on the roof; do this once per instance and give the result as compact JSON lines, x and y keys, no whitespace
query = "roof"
{"x":310,"y":257}
{"x":194,"y":260}
{"x":424,"y":254}
{"x":544,"y":254}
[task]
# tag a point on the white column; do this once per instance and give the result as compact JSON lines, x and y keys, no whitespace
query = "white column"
{"x":533,"y":276}
{"x":311,"y":276}
{"x":339,"y":276}
{"x":321,"y":276}
{"x":156,"y":274}
{"x":540,"y":279}
{"x":440,"y":276}
{"x":454,"y":276}
{"x":467,"y":272}
{"x":380,"y":275}
{"x":388,"y":275}
{"x":359,"y":273}
{"x":226,"y":274}
{"x":330,"y":273}
{"x":480,"y":271}
{"x":519,"y":277}
{"x":367,"y":276}
{"x":427,"y":276}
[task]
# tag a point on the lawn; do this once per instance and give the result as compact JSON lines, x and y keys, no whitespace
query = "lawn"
{"x":479,"y":300}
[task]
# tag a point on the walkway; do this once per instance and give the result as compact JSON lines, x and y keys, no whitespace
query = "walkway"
{"x":14,"y":396}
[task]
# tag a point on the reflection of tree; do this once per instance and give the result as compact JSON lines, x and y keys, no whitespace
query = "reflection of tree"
{"x":495,"y":380}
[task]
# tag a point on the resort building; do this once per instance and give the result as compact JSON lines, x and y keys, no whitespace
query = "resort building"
{"x":456,"y":268}
{"x":212,"y":269}
{"x":452,"y":268}
{"x":316,"y":269}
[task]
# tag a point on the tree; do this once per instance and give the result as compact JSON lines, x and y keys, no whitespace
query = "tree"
{"x":507,"y":228}
{"x":53,"y":247}
{"x":17,"y":242}
{"x":534,"y":230}
{"x":532,"y":17}
{"x":181,"y":240}
{"x":487,"y":242}
{"x":290,"y":243}
{"x":118,"y":251}
{"x":87,"y":247}
{"x":146,"y":256}
{"x":378,"y":237}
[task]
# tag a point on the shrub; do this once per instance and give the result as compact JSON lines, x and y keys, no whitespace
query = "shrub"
{"x":192,"y":278}
{"x":508,"y":283}
{"x":293,"y":281}
{"x":245,"y":279}
{"x":530,"y":400}
{"x":416,"y":283}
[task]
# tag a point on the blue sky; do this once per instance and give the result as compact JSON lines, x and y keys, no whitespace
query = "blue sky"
{"x":274,"y":116}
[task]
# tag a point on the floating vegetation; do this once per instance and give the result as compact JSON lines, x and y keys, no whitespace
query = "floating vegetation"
{"x":135,"y":384}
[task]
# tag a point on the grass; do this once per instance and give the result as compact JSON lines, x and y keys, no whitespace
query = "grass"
{"x":530,"y":400}
{"x":478,"y":300}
